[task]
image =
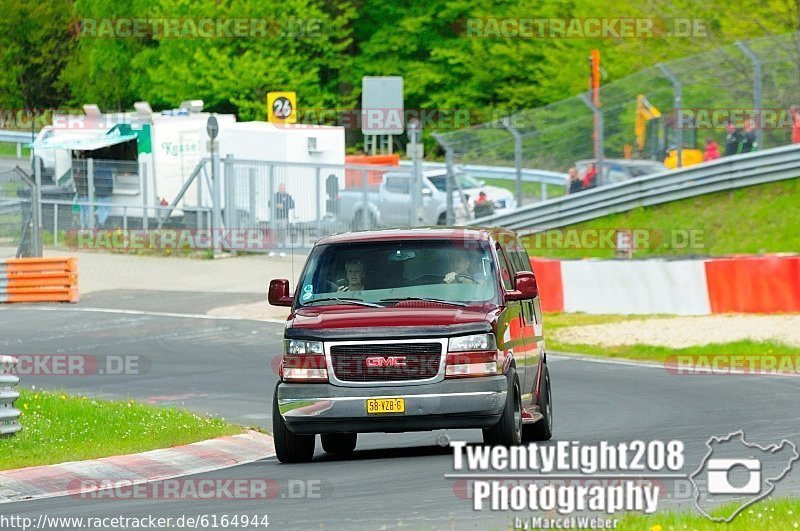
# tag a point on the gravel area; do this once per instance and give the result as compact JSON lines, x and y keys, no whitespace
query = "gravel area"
{"x":679,"y":332}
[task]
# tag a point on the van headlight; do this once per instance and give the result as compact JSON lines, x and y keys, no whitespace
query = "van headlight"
{"x":296,"y":346}
{"x":472,"y":342}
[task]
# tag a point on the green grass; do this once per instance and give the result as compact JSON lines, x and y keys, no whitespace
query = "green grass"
{"x":770,"y":515}
{"x":59,"y":428}
{"x":10,"y":150}
{"x":755,"y":219}
{"x":530,"y":191}
{"x":555,"y":321}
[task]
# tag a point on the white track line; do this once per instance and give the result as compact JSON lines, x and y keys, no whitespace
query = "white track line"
{"x":561,"y":356}
{"x":144,"y":312}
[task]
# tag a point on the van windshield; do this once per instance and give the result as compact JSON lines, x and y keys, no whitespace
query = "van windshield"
{"x":460,"y":272}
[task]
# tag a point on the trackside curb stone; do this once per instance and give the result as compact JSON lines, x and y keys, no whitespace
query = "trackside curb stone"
{"x":69,"y":478}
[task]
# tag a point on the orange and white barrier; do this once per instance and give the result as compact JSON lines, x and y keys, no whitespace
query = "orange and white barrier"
{"x":738,"y":284}
{"x":39,"y":280}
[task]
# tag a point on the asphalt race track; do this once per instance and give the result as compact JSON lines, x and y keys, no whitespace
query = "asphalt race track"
{"x":223,"y":367}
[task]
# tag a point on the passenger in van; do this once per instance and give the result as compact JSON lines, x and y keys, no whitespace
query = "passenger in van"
{"x":354,"y":273}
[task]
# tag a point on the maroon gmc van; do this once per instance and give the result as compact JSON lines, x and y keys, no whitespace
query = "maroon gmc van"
{"x":408,"y":330}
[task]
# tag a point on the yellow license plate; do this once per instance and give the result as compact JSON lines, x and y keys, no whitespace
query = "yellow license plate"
{"x":378,"y":406}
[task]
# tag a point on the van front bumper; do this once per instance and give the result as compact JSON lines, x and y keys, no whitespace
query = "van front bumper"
{"x":449,"y":404}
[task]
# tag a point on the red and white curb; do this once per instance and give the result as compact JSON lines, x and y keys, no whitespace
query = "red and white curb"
{"x":767,"y":283}
{"x":79,"y":477}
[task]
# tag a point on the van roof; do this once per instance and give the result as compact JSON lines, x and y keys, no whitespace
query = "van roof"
{"x":418,"y":233}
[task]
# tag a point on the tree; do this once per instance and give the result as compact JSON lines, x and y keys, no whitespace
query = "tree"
{"x":35,"y":43}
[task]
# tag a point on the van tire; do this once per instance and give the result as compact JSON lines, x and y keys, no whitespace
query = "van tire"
{"x":339,"y":443}
{"x":542,"y":430}
{"x":442,"y":219}
{"x":508,"y":430}
{"x":289,"y":447}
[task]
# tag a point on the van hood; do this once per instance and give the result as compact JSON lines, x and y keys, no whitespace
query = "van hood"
{"x":354,"y":322}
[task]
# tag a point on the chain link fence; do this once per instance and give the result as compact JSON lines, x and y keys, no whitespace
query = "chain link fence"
{"x":261,"y":206}
{"x":682,"y":106}
{"x":16,"y":214}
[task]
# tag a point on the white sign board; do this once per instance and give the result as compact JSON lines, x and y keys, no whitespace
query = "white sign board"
{"x":382,"y":110}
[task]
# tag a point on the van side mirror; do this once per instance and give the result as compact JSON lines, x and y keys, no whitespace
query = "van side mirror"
{"x":278,"y":294}
{"x":526,"y":287}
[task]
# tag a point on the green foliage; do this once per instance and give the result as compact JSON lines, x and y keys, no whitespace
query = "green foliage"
{"x":34,"y":44}
{"x":52,"y":55}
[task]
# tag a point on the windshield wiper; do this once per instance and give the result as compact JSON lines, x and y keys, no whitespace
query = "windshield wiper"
{"x":346,"y":300}
{"x":424,"y":299}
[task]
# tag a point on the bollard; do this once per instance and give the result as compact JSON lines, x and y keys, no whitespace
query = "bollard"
{"x":9,"y":416}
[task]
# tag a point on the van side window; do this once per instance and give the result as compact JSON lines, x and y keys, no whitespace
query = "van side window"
{"x":522,"y":263}
{"x":505,"y":270}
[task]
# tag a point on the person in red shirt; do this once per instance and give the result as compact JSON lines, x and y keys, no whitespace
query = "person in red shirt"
{"x":712,"y":150}
{"x":590,"y":178}
{"x":794,"y":113}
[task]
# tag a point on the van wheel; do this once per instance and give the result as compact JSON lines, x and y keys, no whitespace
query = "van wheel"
{"x":542,"y":430}
{"x":442,"y":219}
{"x":339,"y":443}
{"x":508,"y":431}
{"x":289,"y":447}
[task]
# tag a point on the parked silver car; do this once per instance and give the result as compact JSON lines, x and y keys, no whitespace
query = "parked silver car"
{"x":390,"y":205}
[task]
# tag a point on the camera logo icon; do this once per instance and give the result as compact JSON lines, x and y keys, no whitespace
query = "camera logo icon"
{"x":720,"y":472}
{"x":736,"y":473}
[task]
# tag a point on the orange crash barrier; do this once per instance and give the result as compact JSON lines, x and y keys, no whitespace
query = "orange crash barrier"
{"x":754,"y":284}
{"x":548,"y":278}
{"x":353,"y":177}
{"x":39,"y":280}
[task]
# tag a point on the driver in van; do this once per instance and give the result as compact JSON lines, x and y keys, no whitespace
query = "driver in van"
{"x":354,"y":271}
{"x":460,"y":274}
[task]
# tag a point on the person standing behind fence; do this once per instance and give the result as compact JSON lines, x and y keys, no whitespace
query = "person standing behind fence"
{"x":733,"y":140}
{"x":574,"y":181}
{"x":283,"y":204}
{"x":483,"y":206}
{"x":589,"y":178}
{"x":794,"y":114}
{"x":749,"y":142}
{"x":712,"y":150}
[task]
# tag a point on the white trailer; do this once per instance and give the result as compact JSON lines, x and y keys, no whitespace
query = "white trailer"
{"x":297,"y":156}
{"x":154,"y":154}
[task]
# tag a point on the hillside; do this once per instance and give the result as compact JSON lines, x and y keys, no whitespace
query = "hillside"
{"x":757,"y":219}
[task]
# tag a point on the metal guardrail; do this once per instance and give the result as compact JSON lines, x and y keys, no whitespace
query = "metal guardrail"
{"x":500,"y":172}
{"x":9,"y":415}
{"x":727,"y":173}
{"x":16,"y":137}
{"x":10,"y":207}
